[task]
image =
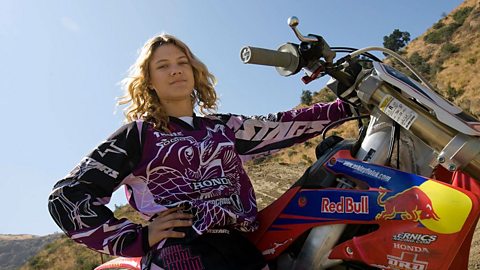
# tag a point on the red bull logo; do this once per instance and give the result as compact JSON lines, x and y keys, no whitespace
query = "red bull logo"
{"x":412,"y":204}
{"x":346,"y":205}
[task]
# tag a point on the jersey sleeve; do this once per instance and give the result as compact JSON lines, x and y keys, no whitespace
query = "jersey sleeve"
{"x":261,"y":135}
{"x":78,"y":201}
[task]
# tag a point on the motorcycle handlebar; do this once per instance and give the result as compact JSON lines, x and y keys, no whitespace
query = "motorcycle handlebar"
{"x":266,"y":57}
{"x":286,"y":59}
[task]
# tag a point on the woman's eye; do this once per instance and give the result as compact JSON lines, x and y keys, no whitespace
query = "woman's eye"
{"x":184,"y":63}
{"x":162,"y":66}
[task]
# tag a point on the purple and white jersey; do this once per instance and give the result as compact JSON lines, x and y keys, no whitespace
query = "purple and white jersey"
{"x":199,"y":166}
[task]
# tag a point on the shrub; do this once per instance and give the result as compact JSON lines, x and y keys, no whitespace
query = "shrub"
{"x":325,"y":95}
{"x":291,"y":152}
{"x":448,"y":48}
{"x":472,"y":60}
{"x":37,"y":263}
{"x":308,"y":144}
{"x":307,"y":159}
{"x":306,"y":97}
{"x":446,"y":51}
{"x":420,"y":63}
{"x":433,"y":37}
{"x":436,"y":68}
{"x":453,"y":93}
{"x":259,"y":160}
{"x":442,"y":34}
{"x":438,"y":25}
{"x":462,"y":14}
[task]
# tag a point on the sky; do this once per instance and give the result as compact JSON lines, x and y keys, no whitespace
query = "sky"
{"x":61,"y":62}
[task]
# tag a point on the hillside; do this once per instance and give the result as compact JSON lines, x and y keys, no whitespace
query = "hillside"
{"x":63,"y":253}
{"x":448,"y":54}
{"x":15,"y":250}
{"x":17,"y":236}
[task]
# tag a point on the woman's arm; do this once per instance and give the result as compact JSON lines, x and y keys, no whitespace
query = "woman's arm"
{"x":77,"y":202}
{"x":259,"y":135}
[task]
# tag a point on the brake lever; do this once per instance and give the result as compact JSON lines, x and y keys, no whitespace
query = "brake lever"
{"x":293,"y":23}
{"x":308,"y":41}
{"x":315,"y":75}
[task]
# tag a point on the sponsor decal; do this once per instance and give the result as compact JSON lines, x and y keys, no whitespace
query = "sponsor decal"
{"x":221,"y":201}
{"x":367,"y":171}
{"x":417,"y":238}
{"x":167,"y":141}
{"x":406,"y":247}
{"x":110,"y":147}
{"x":406,"y":261}
{"x":411,"y":204}
{"x":89,"y":163}
{"x":179,"y":257}
{"x":210,"y":183}
{"x":255,"y":130}
{"x":451,"y":216}
{"x":398,"y":111}
{"x":346,"y":205}
{"x":274,"y":247}
{"x":173,"y":134}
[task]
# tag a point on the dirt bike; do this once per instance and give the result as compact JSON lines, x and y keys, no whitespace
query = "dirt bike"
{"x":401,"y":196}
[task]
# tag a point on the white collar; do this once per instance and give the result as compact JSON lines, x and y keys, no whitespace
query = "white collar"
{"x":187,"y":119}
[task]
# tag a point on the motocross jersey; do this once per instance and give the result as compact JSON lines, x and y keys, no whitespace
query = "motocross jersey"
{"x":199,"y":166}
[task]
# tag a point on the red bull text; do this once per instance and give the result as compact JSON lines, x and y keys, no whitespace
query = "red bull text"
{"x":346,"y":205}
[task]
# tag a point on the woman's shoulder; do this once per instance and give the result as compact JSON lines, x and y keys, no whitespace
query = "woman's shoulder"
{"x":216,"y":119}
{"x":135,"y":126}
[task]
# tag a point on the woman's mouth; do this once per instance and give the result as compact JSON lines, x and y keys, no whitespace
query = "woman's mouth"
{"x":178,"y":81}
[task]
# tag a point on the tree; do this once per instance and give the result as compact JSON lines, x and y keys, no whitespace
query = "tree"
{"x":306,"y":97}
{"x":396,"y":40}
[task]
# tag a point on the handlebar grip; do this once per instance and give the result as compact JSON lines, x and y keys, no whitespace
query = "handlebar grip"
{"x":286,"y":59}
{"x":266,"y":57}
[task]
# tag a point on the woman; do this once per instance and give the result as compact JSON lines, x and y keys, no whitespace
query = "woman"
{"x":183,"y":172}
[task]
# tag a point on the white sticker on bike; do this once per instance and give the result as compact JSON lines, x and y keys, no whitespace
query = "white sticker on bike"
{"x":398,"y":111}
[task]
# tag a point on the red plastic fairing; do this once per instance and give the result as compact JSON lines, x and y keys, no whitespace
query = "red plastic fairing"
{"x":407,"y":244}
{"x":121,"y":263}
{"x":267,"y":215}
{"x":463,"y":180}
{"x":343,"y":154}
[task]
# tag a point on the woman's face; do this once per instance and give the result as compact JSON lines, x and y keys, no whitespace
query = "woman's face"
{"x":171,"y":74}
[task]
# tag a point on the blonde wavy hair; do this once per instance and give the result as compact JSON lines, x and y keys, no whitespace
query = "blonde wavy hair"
{"x":143,"y":102}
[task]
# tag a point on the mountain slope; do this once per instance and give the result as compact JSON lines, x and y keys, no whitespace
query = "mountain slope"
{"x":449,"y":55}
{"x":15,"y":250}
{"x":64,"y":253}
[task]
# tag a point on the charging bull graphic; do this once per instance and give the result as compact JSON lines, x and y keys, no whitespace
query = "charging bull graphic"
{"x":412,"y":204}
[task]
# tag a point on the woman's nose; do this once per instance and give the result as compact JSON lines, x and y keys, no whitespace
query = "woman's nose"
{"x":175,"y":71}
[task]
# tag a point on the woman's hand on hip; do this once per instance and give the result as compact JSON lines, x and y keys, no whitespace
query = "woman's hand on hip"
{"x":162,"y":226}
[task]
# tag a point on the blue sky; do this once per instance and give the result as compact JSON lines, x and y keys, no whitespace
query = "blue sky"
{"x":61,"y":63}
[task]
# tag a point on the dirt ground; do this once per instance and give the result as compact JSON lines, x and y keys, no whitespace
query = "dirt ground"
{"x":271,"y":180}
